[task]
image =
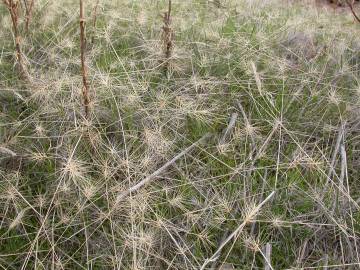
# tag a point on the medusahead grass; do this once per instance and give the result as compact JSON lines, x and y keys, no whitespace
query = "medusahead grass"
{"x":145,"y":189}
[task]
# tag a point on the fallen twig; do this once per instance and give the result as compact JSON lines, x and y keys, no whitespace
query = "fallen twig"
{"x":268,"y":257}
{"x":229,"y":128}
{"x":6,"y":151}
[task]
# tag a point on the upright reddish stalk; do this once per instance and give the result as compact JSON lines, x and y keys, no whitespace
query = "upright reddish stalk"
{"x":85,"y":88}
{"x":167,"y":37}
{"x":13,"y":7}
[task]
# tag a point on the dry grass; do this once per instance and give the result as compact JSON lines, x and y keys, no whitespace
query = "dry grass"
{"x":246,"y":157}
{"x":94,"y":18}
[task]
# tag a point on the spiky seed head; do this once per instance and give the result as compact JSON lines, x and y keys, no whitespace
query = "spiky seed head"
{"x":249,"y":211}
{"x":89,"y":190}
{"x":40,"y":200}
{"x":67,"y":43}
{"x":11,"y":193}
{"x":176,"y":201}
{"x":146,"y":238}
{"x":40,"y":130}
{"x":250,"y":129}
{"x":276,"y":222}
{"x":278,"y":122}
{"x":74,"y":170}
{"x":106,"y":170}
{"x":38,"y":156}
{"x":147,"y":161}
{"x":252,"y":244}
{"x":64,"y":218}
{"x":18,"y":219}
{"x":156,"y":141}
{"x":95,"y":138}
{"x":139,"y":203}
{"x":65,"y":187}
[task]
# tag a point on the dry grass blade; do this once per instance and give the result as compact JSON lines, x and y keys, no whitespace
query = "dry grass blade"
{"x":257,"y":77}
{"x":85,"y":88}
{"x":94,"y":19}
{"x":17,"y":219}
{"x":336,"y":150}
{"x":229,"y":128}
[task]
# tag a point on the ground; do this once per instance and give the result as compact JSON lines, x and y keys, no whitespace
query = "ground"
{"x":248,"y":143}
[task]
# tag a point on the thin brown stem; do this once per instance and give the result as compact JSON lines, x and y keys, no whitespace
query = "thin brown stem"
{"x":167,"y":38}
{"x":28,"y":13}
{"x":85,"y":88}
{"x":13,"y":8}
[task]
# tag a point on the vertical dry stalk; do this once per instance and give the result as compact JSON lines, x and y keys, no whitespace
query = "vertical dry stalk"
{"x":85,"y":88}
{"x":94,"y":19}
{"x":13,"y":7}
{"x":28,"y":13}
{"x":167,"y":38}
